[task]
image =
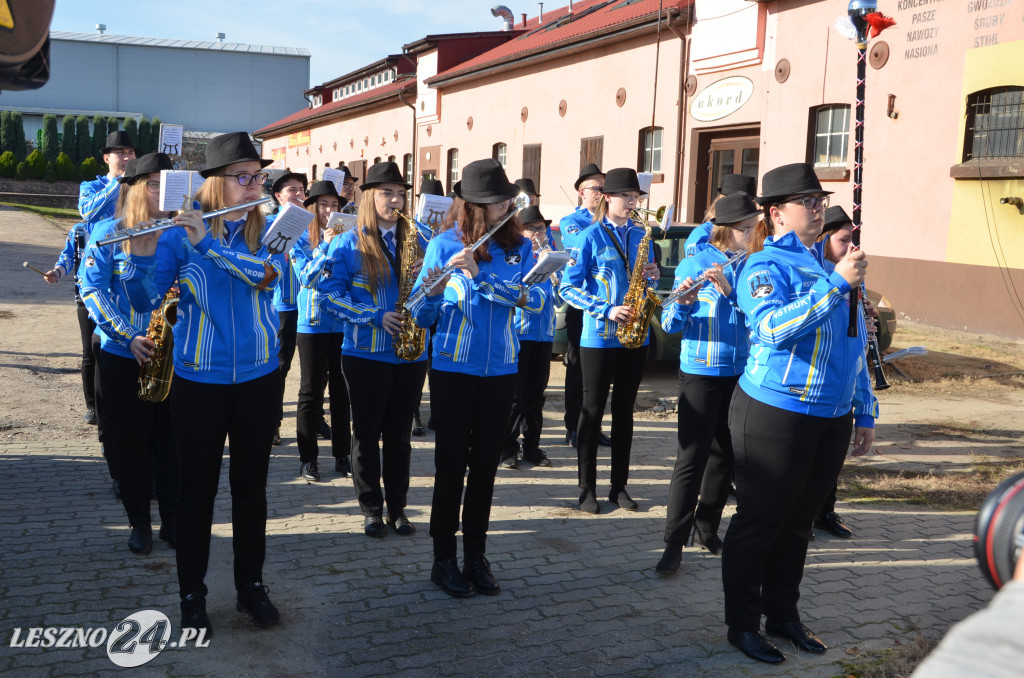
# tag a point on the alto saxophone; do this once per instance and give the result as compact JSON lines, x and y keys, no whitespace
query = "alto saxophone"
{"x":641,"y":300}
{"x":410,"y":341}
{"x":155,"y":376}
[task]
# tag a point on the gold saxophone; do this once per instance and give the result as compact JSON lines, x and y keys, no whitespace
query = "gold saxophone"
{"x":641,"y":300}
{"x":410,"y":341}
{"x":155,"y":376}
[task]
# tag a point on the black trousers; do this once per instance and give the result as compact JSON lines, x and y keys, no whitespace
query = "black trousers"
{"x":204,"y":415}
{"x":320,"y":353}
{"x":87,"y":328}
{"x":528,"y":405}
{"x":704,"y":459}
{"x":601,"y":367}
{"x":289,"y":320}
{"x":830,"y":501}
{"x":471,"y":414}
{"x":98,"y":396}
{"x":140,"y":441}
{"x":573,"y":371}
{"x":786,"y":463}
{"x":382,"y":413}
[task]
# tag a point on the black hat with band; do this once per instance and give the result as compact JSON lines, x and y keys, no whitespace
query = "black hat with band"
{"x":484,"y":182}
{"x":321,"y":189}
{"x":139,"y":168}
{"x":227,"y":149}
{"x":787,"y":181}
{"x":732,"y":209}
{"x":116,"y":140}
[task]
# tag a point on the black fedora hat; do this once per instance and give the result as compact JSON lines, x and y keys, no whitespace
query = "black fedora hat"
{"x":835,"y":218}
{"x":320,"y":189}
{"x":484,"y":182}
{"x":587,"y":172}
{"x":118,"y":139}
{"x":226,"y":149}
{"x":348,"y":174}
{"x":738,"y":183}
{"x":138,"y":168}
{"x":384,"y":173}
{"x":620,"y":180}
{"x":279,"y":182}
{"x":734,"y":208}
{"x":527,"y":186}
{"x":795,"y":179}
{"x":431,"y":187}
{"x":530,"y":214}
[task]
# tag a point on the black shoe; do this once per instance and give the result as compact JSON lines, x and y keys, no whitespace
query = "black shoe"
{"x":448,"y":577}
{"x":478,"y":572}
{"x":325,"y":430}
{"x":169,"y":534}
{"x":141,"y":540}
{"x":90,"y":416}
{"x":115,"y":487}
{"x":310,"y":471}
{"x":810,"y":535}
{"x":254,"y":600}
{"x":277,"y":436}
{"x":603,"y":440}
{"x":430,"y":423}
{"x":374,"y":526}
{"x":536,"y":457}
{"x":756,"y":646}
{"x":834,"y":523}
{"x":797,"y":633}
{"x":570,"y":438}
{"x":622,"y":498}
{"x":709,"y":540}
{"x":588,"y":502}
{"x":417,"y":426}
{"x":193,"y":613}
{"x":401,"y":525}
{"x":510,"y":459}
{"x":671,"y":559}
{"x":343,"y":466}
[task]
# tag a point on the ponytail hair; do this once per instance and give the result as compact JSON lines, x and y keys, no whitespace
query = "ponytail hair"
{"x":764,"y":229}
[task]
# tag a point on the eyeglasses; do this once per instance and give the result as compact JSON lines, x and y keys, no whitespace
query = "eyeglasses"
{"x":592,"y":188}
{"x":811,"y":202}
{"x":153,"y":186}
{"x":245,"y":178}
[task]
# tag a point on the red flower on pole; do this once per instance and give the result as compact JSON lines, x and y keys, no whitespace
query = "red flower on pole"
{"x":878,"y":22}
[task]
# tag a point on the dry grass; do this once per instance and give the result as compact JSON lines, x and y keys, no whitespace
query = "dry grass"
{"x":897,"y":662}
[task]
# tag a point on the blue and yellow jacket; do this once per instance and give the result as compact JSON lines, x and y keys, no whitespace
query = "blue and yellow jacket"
{"x":714,"y":341}
{"x":697,"y":238}
{"x":476,"y":332}
{"x":117,"y":322}
{"x":287,"y":288}
{"x":226,"y":332}
{"x":312,"y":266}
{"x":97,"y":199}
{"x":572,"y":225}
{"x":540,"y":326}
{"x":349,"y":296}
{"x":801,"y":358}
{"x":597,"y":279}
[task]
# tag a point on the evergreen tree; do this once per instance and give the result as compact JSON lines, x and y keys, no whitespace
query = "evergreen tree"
{"x":36,"y":164}
{"x":66,"y":169}
{"x":50,"y":142}
{"x":5,"y":132}
{"x":8,"y":165}
{"x":18,"y":145}
{"x":90,"y":169}
{"x":132,"y":128}
{"x":112,"y":125}
{"x":154,"y":135}
{"x":83,"y":140}
{"x":67,"y":140}
{"x":145,"y":133}
{"x":99,"y":136}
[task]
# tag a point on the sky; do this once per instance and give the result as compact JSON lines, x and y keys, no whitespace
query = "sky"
{"x":341,"y":35}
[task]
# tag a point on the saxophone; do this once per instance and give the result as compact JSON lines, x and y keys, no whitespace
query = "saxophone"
{"x":641,"y":300}
{"x":155,"y":376}
{"x":410,"y":341}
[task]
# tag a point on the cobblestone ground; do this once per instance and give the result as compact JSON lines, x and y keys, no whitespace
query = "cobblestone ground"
{"x":579,"y":593}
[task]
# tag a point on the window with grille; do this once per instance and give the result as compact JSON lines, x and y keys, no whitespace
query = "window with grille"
{"x":407,"y":167}
{"x":995,"y":124}
{"x":831,"y":138}
{"x":500,"y":153}
{"x":453,"y":168}
{"x":649,"y":159}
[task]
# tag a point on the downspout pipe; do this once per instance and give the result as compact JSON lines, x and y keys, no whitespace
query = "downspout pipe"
{"x":681,"y":122}
{"x":415,"y":127}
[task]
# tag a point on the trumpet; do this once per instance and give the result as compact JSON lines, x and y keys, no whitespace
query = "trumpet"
{"x":642,"y":215}
{"x":158,"y":225}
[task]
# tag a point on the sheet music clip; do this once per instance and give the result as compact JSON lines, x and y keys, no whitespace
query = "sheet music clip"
{"x":548,"y":263}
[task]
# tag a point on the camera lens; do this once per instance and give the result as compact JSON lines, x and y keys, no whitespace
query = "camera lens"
{"x":999,"y":530}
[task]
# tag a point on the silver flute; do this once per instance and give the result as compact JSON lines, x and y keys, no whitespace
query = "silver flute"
{"x":700,"y":280}
{"x":158,"y":225}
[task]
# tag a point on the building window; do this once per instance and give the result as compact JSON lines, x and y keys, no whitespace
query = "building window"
{"x":407,"y":167}
{"x":649,"y":159}
{"x":500,"y":153}
{"x":995,"y":124}
{"x":831,"y":136}
{"x":453,"y":168}
{"x":531,"y":163}
{"x":314,"y":172}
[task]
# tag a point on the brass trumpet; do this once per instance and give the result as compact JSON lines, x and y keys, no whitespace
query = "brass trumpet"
{"x":643,"y":215}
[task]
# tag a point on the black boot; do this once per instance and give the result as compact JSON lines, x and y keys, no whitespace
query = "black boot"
{"x":670,"y":559}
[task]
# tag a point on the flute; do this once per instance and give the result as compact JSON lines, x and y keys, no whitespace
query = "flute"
{"x":164,"y":224}
{"x":700,"y":280}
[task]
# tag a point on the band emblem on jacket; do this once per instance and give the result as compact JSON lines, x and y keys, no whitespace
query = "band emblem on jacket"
{"x":760,"y":284}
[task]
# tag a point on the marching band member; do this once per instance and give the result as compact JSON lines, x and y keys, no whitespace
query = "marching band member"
{"x":596,"y":282}
{"x":226,"y":381}
{"x":290,"y":187}
{"x":363,"y":290}
{"x":731,"y":185}
{"x":536,"y":333}
{"x":138,"y":437}
{"x":714,"y":352}
{"x":805,"y":385}
{"x":474,"y":364}
{"x":348,"y":188}
{"x":527,"y":186}
{"x":429,"y":187}
{"x":588,"y":185}
{"x":319,"y":341}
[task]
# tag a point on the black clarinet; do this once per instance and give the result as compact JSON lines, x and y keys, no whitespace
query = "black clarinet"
{"x":876,"y":356}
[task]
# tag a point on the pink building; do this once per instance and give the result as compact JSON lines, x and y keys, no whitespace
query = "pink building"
{"x":709,"y":87}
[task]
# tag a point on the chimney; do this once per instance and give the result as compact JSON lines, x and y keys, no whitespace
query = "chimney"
{"x":540,"y":17}
{"x":524,"y":19}
{"x":570,"y":6}
{"x":220,"y":37}
{"x":506,"y":14}
{"x":100,"y":28}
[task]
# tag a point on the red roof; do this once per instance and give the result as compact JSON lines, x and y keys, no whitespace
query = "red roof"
{"x":369,"y":96}
{"x":589,"y":18}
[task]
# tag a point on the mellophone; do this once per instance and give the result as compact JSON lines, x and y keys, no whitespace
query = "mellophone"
{"x":164,"y":224}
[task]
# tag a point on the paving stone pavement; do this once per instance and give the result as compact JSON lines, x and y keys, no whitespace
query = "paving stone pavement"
{"x":579,"y":593}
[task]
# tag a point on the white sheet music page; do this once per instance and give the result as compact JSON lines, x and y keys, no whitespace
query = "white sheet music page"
{"x":549,"y":262}
{"x":342,"y":223}
{"x":290,"y":223}
{"x":336,"y":177}
{"x":175,"y":185}
{"x":645,"y":179}
{"x":432,"y":209}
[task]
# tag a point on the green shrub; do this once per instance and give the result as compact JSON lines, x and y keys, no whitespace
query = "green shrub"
{"x":21,"y":174}
{"x":8,"y":165}
{"x":89,"y":169}
{"x":51,"y":172}
{"x":131,"y":126}
{"x":83,"y":145}
{"x":18,"y":142}
{"x":50,"y":142}
{"x":99,"y":136}
{"x":67,"y":137}
{"x":66,"y":170}
{"x":154,"y":135}
{"x":145,"y":132}
{"x":36,"y":164}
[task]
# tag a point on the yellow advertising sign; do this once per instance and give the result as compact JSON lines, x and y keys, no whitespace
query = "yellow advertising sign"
{"x":298,"y":139}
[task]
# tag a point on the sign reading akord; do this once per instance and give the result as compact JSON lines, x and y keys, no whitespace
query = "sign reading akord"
{"x":721,"y":98}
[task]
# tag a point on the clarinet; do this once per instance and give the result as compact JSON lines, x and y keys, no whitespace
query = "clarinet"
{"x":875,"y":355}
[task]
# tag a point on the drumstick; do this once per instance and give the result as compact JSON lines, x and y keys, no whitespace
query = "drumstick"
{"x":25,"y":264}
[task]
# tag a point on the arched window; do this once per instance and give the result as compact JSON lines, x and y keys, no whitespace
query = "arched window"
{"x":995,"y":124}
